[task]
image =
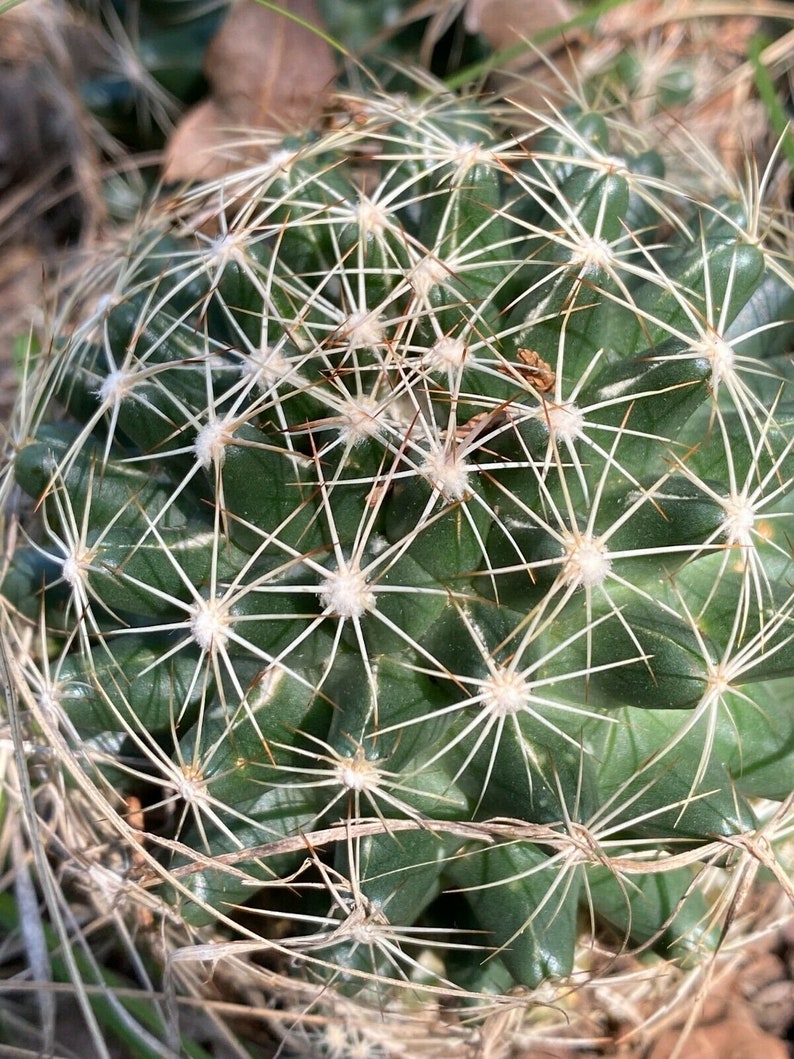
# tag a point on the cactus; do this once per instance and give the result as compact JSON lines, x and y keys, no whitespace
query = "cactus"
{"x":416,"y":551}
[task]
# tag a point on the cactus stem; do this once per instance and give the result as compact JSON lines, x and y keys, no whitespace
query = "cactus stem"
{"x":413,"y":481}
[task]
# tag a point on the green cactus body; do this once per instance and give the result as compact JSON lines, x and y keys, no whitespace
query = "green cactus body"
{"x":427,"y":536}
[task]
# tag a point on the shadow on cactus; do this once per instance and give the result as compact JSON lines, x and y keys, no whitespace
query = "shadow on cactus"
{"x":417,"y":550}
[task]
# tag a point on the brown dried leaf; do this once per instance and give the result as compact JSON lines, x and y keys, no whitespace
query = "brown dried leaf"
{"x":729,"y":1039}
{"x":504,"y":23}
{"x":266,"y":71}
{"x":196,"y":149}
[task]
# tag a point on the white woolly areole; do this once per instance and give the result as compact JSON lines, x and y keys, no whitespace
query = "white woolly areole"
{"x":359,"y":420}
{"x":103,"y":304}
{"x":593,"y":253}
{"x":372,"y":217}
{"x":209,"y":625}
{"x":229,"y":246}
{"x":739,"y":520}
{"x":49,"y":699}
{"x":504,"y":693}
{"x":587,"y":563}
{"x":365,"y":934}
{"x":280,"y":160}
{"x":429,"y":273}
{"x":564,"y":421}
{"x":210,"y":445}
{"x":719,"y":681}
{"x":107,"y":886}
{"x":116,"y":386}
{"x":74,"y":568}
{"x":362,"y":330}
{"x":358,"y":774}
{"x":447,"y":353}
{"x":335,"y":1041}
{"x":611,"y":164}
{"x":447,"y":473}
{"x":269,"y":367}
{"x":720,"y":355}
{"x":346,"y":594}
{"x":468,"y":154}
{"x":190,"y":785}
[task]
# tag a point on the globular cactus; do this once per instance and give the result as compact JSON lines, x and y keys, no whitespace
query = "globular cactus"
{"x":416,"y":549}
